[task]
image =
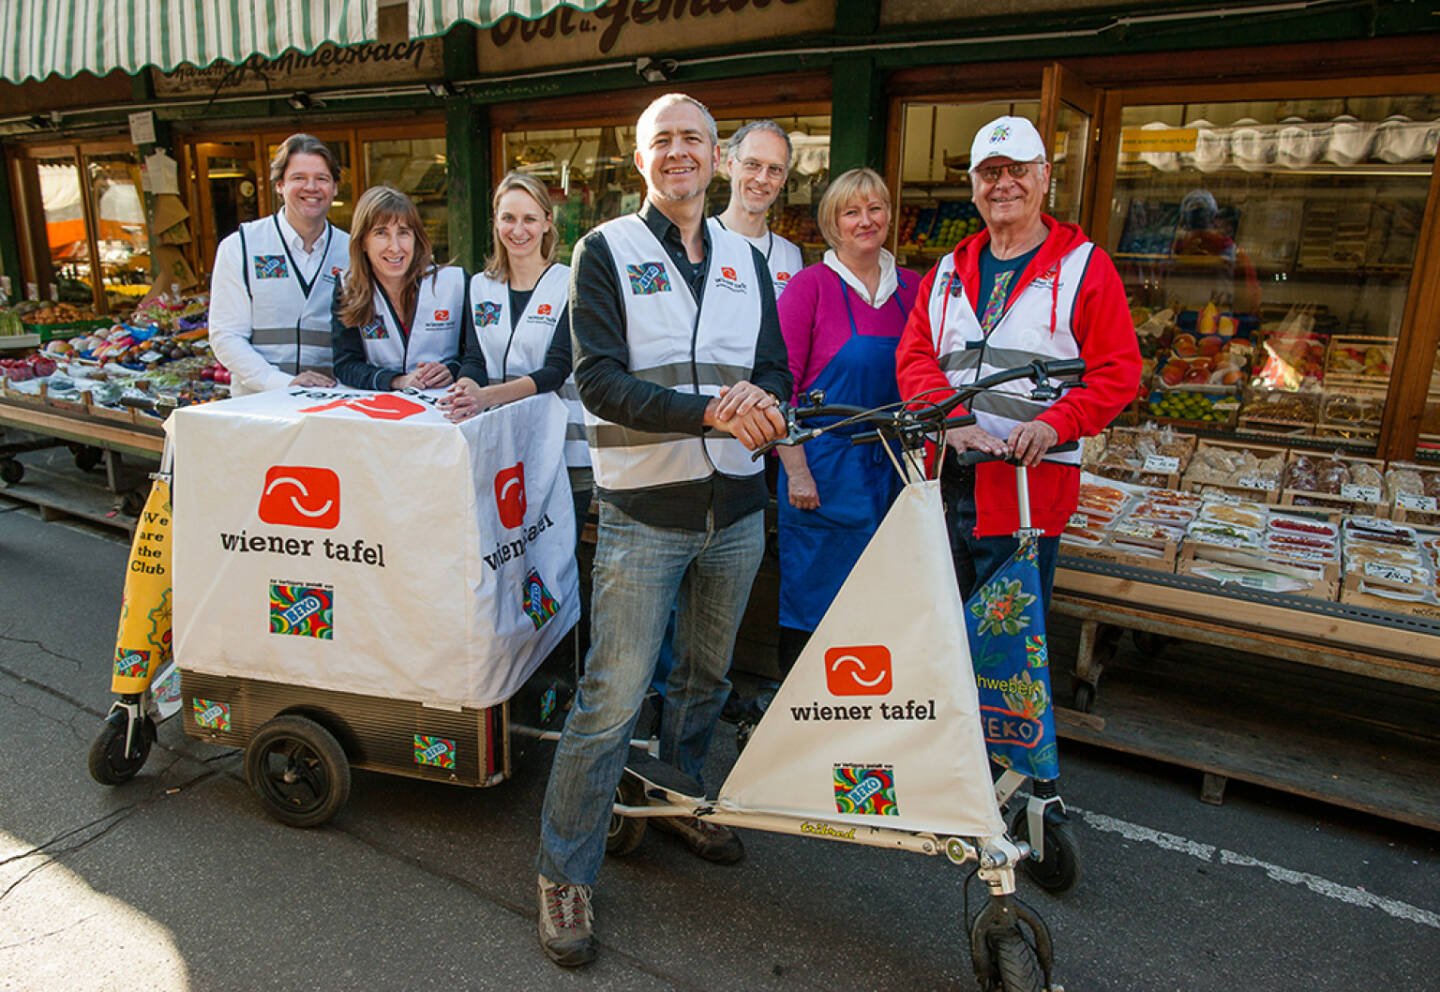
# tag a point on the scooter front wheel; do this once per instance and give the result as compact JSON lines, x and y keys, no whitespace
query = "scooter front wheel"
{"x":110,"y":764}
{"x":1059,"y":871}
{"x":1014,"y":966}
{"x":298,"y":770}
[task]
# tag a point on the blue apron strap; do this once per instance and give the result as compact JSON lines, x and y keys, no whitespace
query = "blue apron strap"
{"x":845,"y":295}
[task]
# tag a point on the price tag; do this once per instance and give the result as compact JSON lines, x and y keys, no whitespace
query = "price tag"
{"x":54,"y":293}
{"x":1164,"y":464}
{"x":32,"y":291}
{"x":1414,"y":501}
{"x":1253,"y":482}
{"x":1220,"y":496}
{"x":1366,"y":494}
{"x":1388,"y":572}
{"x":1079,"y":520}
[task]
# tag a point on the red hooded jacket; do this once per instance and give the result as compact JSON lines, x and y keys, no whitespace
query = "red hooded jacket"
{"x":1107,"y":342}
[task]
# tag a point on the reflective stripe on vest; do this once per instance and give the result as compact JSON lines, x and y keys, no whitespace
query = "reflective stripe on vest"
{"x":290,"y":330}
{"x":435,"y":335}
{"x":1022,"y":335}
{"x":676,"y":344}
{"x":513,"y":351}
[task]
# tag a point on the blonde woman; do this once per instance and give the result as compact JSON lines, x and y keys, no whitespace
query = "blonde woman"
{"x":397,"y":317}
{"x":517,"y":329}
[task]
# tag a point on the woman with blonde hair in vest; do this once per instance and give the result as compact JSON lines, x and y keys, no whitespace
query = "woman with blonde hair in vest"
{"x":517,"y":328}
{"x":396,"y":319}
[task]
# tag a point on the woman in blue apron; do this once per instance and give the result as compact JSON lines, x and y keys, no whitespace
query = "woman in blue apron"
{"x":842,"y":320}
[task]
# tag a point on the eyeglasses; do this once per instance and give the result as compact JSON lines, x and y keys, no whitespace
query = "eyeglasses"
{"x":750,"y":167}
{"x":1017,"y":170}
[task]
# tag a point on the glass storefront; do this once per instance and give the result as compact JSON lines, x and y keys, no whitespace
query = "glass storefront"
{"x":592,"y":176}
{"x":1267,"y":250}
{"x":121,"y":233}
{"x":62,"y":199}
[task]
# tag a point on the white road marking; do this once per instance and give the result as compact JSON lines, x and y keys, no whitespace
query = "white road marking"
{"x":1207,"y":852}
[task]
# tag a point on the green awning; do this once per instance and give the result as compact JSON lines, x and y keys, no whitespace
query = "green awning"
{"x":433,"y":17}
{"x":39,"y":38}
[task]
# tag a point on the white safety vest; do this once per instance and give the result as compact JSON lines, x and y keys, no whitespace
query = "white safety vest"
{"x":435,"y":336}
{"x":1022,"y":335}
{"x":290,"y":321}
{"x":782,"y":256}
{"x":511,"y":352}
{"x":677,"y":344}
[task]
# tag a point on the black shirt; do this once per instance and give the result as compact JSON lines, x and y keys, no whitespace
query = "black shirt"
{"x":347,"y":350}
{"x":602,"y":373}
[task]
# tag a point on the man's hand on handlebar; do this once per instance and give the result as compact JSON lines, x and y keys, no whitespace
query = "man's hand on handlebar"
{"x":974,"y":438}
{"x":746,"y":412}
{"x":1029,"y":442}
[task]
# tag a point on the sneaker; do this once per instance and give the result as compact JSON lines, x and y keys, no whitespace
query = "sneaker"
{"x":710,"y":841}
{"x":567,"y":923}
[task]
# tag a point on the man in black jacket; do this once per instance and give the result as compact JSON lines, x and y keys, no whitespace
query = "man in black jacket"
{"x":680,"y":363}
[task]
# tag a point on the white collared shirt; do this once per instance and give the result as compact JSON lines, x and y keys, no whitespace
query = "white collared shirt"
{"x":888,"y":281}
{"x":308,"y":262}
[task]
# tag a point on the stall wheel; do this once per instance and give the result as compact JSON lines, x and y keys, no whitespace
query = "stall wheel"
{"x":1084,"y":697}
{"x":86,"y":457}
{"x":626,"y":832}
{"x":109,"y":764}
{"x":298,"y":770}
{"x":132,"y":502}
{"x":11,"y":471}
{"x":1060,"y":870}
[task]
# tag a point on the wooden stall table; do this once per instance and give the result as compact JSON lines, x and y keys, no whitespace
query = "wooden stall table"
{"x":1363,"y":763}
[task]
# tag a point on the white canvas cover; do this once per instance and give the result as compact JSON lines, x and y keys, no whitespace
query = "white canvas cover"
{"x":878,"y":723}
{"x":358,"y":541}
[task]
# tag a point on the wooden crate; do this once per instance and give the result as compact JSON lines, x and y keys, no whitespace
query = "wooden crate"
{"x":1414,"y":514}
{"x":1346,"y":350}
{"x":1122,"y":472}
{"x":1240,"y":487}
{"x":1357,"y":590}
{"x":1357,"y":502}
{"x":1279,"y":411}
{"x":1326,"y":585}
{"x":1119,"y":555}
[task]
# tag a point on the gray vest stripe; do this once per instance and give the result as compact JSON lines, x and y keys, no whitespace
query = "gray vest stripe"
{"x":1007,"y":405}
{"x":615,"y":436}
{"x":273,"y":335}
{"x":678,"y":374}
{"x":575,"y":432}
{"x":315,"y":339}
{"x":568,"y":391}
{"x":960,"y":361}
{"x":287,"y":367}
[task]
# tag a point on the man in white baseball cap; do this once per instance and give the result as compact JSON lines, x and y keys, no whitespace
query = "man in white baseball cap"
{"x":1026,"y":287}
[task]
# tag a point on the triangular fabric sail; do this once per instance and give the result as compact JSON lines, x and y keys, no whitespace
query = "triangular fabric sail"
{"x":879,"y":722}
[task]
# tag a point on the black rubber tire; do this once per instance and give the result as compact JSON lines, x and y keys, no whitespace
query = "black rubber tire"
{"x":298,"y":771}
{"x":1150,"y":645}
{"x":11,"y":471}
{"x":87,"y":457}
{"x":626,"y":832}
{"x":132,"y":502}
{"x":109,"y":764}
{"x":1060,"y":870}
{"x":1084,"y":697}
{"x":1014,"y":966}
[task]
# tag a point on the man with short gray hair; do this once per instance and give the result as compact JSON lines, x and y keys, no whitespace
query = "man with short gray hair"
{"x":758,"y":159}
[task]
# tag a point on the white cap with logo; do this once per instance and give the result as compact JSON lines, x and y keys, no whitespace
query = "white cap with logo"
{"x":1013,"y":137}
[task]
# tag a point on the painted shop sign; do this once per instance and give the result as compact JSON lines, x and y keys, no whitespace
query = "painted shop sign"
{"x":624,"y":28}
{"x":328,"y":67}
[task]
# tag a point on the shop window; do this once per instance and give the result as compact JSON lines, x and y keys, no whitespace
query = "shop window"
{"x":592,"y":177}
{"x":415,"y":167}
{"x":936,"y":211}
{"x":62,"y":198}
{"x":1267,"y":250}
{"x":121,"y":233}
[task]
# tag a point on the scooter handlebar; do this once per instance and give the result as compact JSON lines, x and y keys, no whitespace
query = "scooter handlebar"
{"x":980,"y":457}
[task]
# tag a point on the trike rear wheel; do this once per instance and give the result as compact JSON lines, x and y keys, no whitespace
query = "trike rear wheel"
{"x":626,"y":832}
{"x":298,"y":770}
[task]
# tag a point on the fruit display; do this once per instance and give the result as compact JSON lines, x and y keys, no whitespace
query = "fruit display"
{"x":1191,"y":405}
{"x":32,"y":366}
{"x":1360,"y":358}
{"x":939,"y":227}
{"x":1289,"y":361}
{"x":797,"y":224}
{"x":1280,"y":406}
{"x":46,"y":314}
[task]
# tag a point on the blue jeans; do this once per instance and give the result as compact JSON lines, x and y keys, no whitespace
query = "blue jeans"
{"x":638,"y":572}
{"x":978,"y":558}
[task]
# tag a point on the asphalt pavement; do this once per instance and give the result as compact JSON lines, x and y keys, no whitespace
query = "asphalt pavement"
{"x":178,"y":880}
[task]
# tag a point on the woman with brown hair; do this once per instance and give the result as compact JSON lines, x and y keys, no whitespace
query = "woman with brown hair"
{"x":396,"y":320}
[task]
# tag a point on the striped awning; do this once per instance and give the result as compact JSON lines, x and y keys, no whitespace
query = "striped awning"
{"x":434,"y":17}
{"x":39,"y":38}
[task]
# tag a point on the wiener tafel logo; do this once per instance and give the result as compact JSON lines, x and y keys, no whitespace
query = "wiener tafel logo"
{"x":271,"y":267}
{"x":437,"y":752}
{"x":487,"y":314}
{"x":544,"y":309}
{"x":859,"y":670}
{"x":442,"y":315}
{"x":375,"y":330}
{"x":301,"y":496}
{"x":336,"y":272}
{"x":648,"y":278}
{"x":782,"y":277}
{"x":302,"y":610}
{"x":377,"y":406}
{"x":868,"y":790}
{"x":538,"y":604}
{"x":132,"y":664}
{"x":510,"y":501}
{"x":729,"y":279}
